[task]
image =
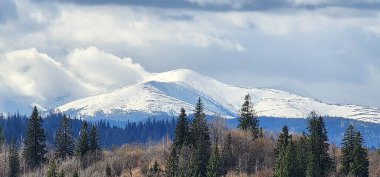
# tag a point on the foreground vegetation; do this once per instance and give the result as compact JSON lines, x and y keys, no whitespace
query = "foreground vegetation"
{"x":199,"y":148}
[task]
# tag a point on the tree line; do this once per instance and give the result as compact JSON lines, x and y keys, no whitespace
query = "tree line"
{"x":193,"y":153}
{"x":151,"y":130}
{"x":198,"y":148}
{"x":34,"y":148}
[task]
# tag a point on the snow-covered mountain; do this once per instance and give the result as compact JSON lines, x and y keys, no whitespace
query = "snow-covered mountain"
{"x":165,"y":93}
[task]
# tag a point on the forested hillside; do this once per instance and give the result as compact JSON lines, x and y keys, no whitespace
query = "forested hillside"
{"x":197,"y":147}
{"x":152,"y":130}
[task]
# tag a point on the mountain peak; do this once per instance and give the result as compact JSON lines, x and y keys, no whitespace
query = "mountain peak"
{"x":166,"y":93}
{"x":178,"y":75}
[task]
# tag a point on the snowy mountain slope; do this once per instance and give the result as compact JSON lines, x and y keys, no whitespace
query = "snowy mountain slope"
{"x":165,"y":93}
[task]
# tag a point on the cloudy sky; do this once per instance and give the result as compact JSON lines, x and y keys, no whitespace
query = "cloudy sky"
{"x":54,"y":51}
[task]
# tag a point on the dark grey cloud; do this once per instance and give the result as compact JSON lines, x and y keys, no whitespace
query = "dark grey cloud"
{"x":243,"y":5}
{"x":246,"y":5}
{"x":327,"y":53}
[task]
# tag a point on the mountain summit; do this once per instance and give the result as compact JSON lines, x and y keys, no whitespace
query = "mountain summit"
{"x":163,"y":94}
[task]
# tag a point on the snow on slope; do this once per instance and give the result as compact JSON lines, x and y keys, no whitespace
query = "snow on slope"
{"x":166,"y":93}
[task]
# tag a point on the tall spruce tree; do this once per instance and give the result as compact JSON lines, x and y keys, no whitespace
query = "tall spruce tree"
{"x":287,"y":163}
{"x":14,"y":162}
{"x":172,"y":163}
{"x":282,"y":141}
{"x":2,"y":139}
{"x":214,"y":163}
{"x":82,"y":146}
{"x":302,"y":149}
{"x":181,"y":134}
{"x":320,"y":163}
{"x":94,"y":146}
{"x":295,"y":164}
{"x":35,"y":141}
{"x":181,"y":138}
{"x":64,"y":141}
{"x":200,"y":142}
{"x":248,"y":119}
{"x":354,"y":157}
{"x":361,"y":163}
{"x":347,"y":149}
{"x":227,"y":157}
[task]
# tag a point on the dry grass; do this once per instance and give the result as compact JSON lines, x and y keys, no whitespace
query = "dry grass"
{"x":136,"y":160}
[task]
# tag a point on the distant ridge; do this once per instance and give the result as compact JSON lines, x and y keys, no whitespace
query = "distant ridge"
{"x":165,"y":93}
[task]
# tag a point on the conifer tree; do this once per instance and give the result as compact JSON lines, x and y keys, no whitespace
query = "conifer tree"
{"x":287,"y":163}
{"x":82,"y":146}
{"x":2,"y":139}
{"x":360,"y":163}
{"x":295,"y":165}
{"x":313,"y":169}
{"x":181,"y":134}
{"x":248,"y":119}
{"x":94,"y":147}
{"x":14,"y":162}
{"x":227,"y":157}
{"x":52,"y":170}
{"x":302,"y":150}
{"x":282,"y":166}
{"x":200,"y":139}
{"x":34,"y":142}
{"x":181,"y":138}
{"x":354,"y":155}
{"x":214,"y":163}
{"x":320,"y":163}
{"x":347,"y":149}
{"x":64,"y":142}
{"x":283,"y":140}
{"x":172,"y":163}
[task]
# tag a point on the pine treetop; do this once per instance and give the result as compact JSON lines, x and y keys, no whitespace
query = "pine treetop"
{"x":200,"y":142}
{"x":354,"y":155}
{"x":283,"y":140}
{"x":35,"y":141}
{"x":94,"y":146}
{"x":14,"y":162}
{"x":248,"y":119}
{"x":82,"y":145}
{"x":320,"y":162}
{"x":181,"y":134}
{"x":64,"y":141}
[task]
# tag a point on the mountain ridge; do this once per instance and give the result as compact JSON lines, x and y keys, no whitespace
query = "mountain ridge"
{"x":167,"y":92}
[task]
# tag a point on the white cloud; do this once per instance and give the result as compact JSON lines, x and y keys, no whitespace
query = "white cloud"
{"x":104,"y":69}
{"x":32,"y":76}
{"x":124,"y":27}
{"x":311,"y":2}
{"x":278,"y":43}
{"x":232,"y":3}
{"x":331,"y":2}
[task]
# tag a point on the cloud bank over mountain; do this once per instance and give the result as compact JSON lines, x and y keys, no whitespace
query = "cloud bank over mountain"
{"x":33,"y":78}
{"x":325,"y":49}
